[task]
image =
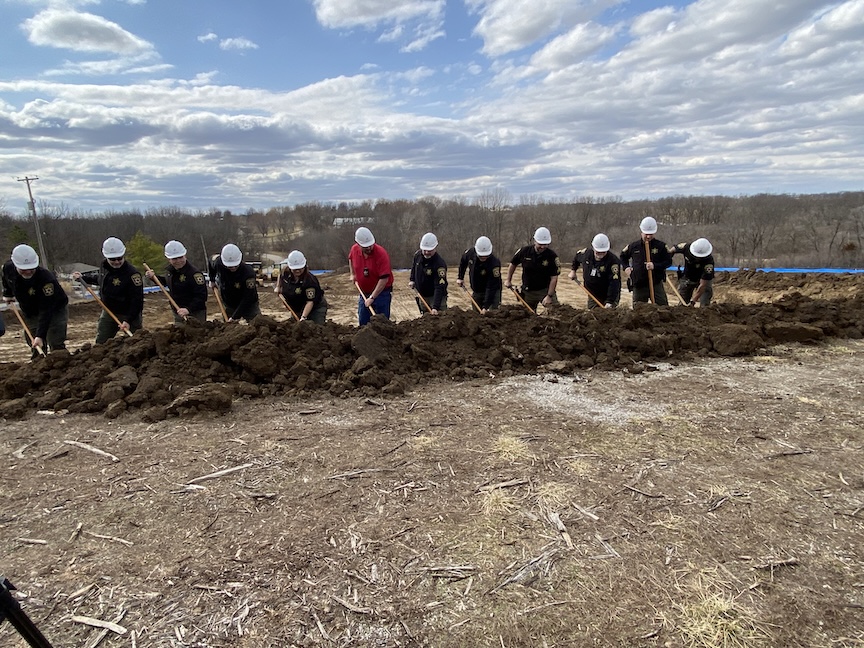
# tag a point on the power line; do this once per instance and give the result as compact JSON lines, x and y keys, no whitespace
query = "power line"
{"x":32,"y":209}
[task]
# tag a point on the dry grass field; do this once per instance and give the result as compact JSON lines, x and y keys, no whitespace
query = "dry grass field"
{"x":675,"y":498}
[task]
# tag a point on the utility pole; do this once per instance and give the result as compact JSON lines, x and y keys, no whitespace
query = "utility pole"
{"x":32,"y":208}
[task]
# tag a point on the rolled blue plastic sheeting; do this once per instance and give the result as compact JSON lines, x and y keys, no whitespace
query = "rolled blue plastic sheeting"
{"x":796,"y":270}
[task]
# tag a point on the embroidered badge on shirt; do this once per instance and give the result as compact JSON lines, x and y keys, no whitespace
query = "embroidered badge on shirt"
{"x":250,"y":282}
{"x":48,"y":289}
{"x":116,"y":281}
{"x":199,"y":278}
{"x":136,"y":279}
{"x":310,"y":294}
{"x":442,"y":272}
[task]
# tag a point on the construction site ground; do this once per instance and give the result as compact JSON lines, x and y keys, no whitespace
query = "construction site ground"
{"x":637,"y":477}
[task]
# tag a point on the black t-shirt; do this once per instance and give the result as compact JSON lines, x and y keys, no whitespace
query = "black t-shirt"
{"x":633,"y":256}
{"x":538,"y":268}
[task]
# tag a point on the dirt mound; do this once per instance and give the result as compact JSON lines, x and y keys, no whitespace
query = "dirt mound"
{"x":177,"y":371}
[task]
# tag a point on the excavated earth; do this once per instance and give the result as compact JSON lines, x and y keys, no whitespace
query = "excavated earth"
{"x":178,"y":371}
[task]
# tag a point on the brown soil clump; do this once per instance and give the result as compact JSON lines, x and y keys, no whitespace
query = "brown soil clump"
{"x":151,"y":373}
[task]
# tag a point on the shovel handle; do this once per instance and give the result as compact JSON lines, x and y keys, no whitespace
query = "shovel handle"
{"x":422,"y":299}
{"x":588,"y":292}
{"x":221,"y":305}
{"x":363,"y":295}
{"x":650,"y":272}
{"x":522,"y":301}
{"x":473,"y":301}
{"x":288,"y":306}
{"x":104,"y":307}
{"x":27,"y":330}
{"x":163,"y":289}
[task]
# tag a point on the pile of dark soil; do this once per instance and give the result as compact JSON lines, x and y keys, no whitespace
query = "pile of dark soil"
{"x":179,"y":371}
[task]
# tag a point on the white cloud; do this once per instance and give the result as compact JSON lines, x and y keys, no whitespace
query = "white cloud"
{"x":510,"y":25}
{"x":81,"y":32}
{"x":845,"y":21}
{"x":130,"y":65}
{"x":422,"y":37}
{"x":237,"y":44}
{"x":710,"y":27}
{"x":720,"y":97}
{"x":572,"y":47}
{"x":370,"y":13}
{"x":206,"y":38}
{"x":419,"y":21}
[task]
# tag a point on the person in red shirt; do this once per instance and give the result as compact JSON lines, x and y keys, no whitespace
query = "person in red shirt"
{"x":372,"y":274}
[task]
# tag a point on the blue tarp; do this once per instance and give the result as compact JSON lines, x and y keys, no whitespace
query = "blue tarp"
{"x":796,"y":270}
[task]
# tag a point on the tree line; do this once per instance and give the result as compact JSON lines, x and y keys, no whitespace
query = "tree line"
{"x":764,"y":230}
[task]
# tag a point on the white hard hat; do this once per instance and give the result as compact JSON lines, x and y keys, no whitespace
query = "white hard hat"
{"x":296,"y":260}
{"x":542,"y":236}
{"x":701,"y":248}
{"x":24,"y":257}
{"x":113,"y":248}
{"x":363,"y":237}
{"x":648,"y":225}
{"x":174,"y":250}
{"x":600,"y":243}
{"x":483,"y":246}
{"x":231,"y":256}
{"x":429,"y":241}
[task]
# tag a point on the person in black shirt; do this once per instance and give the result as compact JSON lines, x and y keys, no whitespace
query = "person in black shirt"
{"x":601,"y":272}
{"x":186,"y":283}
{"x":121,"y":289}
{"x":237,"y":283}
{"x":301,"y":290}
{"x":696,"y":280}
{"x":540,"y":270}
{"x":484,"y":275}
{"x":637,"y":265}
{"x":43,"y":303}
{"x":429,"y":276}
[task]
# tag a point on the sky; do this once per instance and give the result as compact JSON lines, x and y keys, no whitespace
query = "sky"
{"x":117,"y":104}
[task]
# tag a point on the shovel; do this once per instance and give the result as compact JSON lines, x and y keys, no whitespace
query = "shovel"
{"x":27,"y":330}
{"x":288,"y":307}
{"x":164,"y":290}
{"x":425,"y":303}
{"x":363,"y":295}
{"x":650,"y":272}
{"x":105,"y":308}
{"x":476,"y":305}
{"x":588,"y":292}
{"x":219,"y":301}
{"x":677,"y":294}
{"x":522,"y":301}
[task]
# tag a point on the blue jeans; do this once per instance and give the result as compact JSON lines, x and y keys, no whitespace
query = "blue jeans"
{"x":381,"y":306}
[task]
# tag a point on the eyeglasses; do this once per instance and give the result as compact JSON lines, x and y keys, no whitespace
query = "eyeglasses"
{"x":115,"y":259}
